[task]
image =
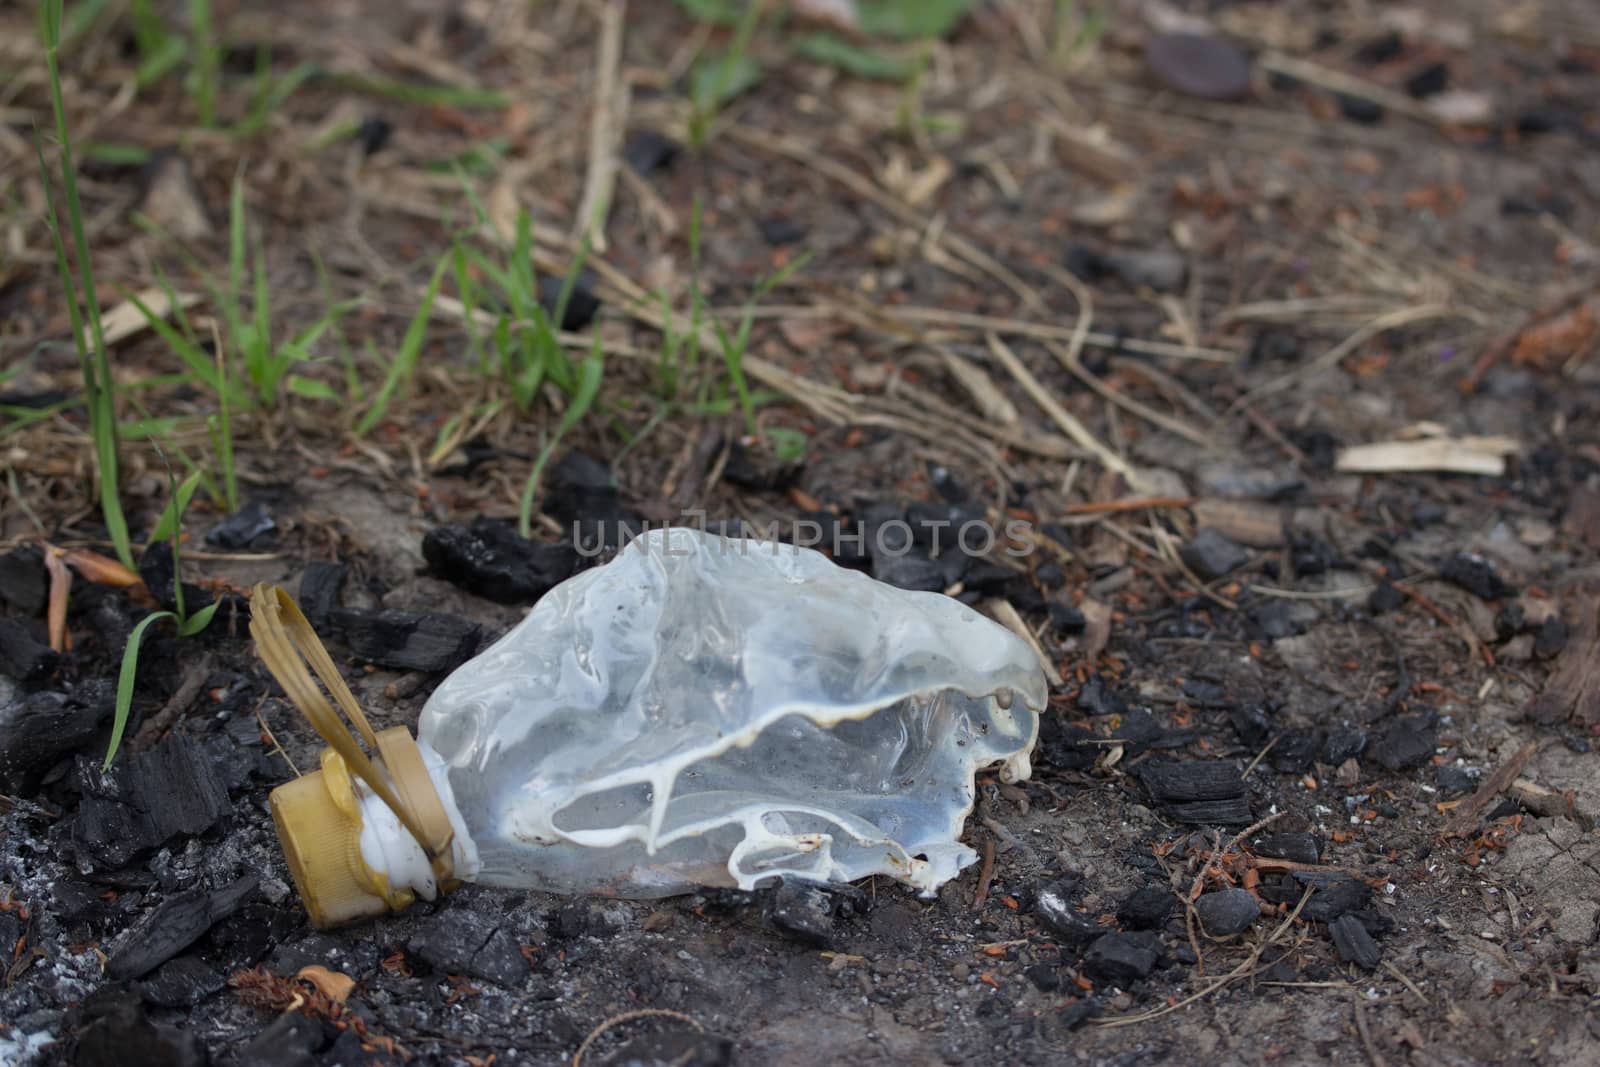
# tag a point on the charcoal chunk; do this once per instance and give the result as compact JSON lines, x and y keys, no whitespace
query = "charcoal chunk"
{"x":803,"y":912}
{"x":1066,"y":747}
{"x":1333,"y":895}
{"x":462,"y":940}
{"x":159,"y":572}
{"x":241,"y":529}
{"x":1198,"y":792}
{"x":918,"y":571}
{"x":1355,"y":945}
{"x":176,"y":923}
{"x":1551,"y":638}
{"x":1295,"y":847}
{"x":1407,"y":744}
{"x":24,"y":584}
{"x":408,"y":640}
{"x":182,"y":983}
{"x":1476,"y":575}
{"x":1120,"y":959}
{"x":1296,"y":751}
{"x":581,"y":306}
{"x":646,"y":151}
{"x":1344,"y":742}
{"x":1053,"y":906}
{"x":1211,"y":554}
{"x":292,"y":1040}
{"x":490,"y":559}
{"x":142,"y":803}
{"x":122,"y":1034}
{"x":1226,"y":912}
{"x":581,"y":495}
{"x":23,"y":655}
{"x":1146,"y":908}
{"x":320,"y":586}
{"x":1096,"y":697}
{"x":1066,"y":619}
{"x":1384,"y":598}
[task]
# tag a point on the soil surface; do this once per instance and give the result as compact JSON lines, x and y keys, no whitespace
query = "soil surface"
{"x":1343,"y":716}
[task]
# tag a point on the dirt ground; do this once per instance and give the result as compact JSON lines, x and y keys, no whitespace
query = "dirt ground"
{"x":1061,"y":291}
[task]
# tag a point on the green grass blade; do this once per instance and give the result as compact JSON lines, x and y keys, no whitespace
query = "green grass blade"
{"x":125,"y":679}
{"x":172,"y":514}
{"x":96,"y":362}
{"x":590,"y":373}
{"x":405,"y":360}
{"x":199,"y":620}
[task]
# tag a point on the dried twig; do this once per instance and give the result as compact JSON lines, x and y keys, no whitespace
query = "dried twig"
{"x":1464,"y":820}
{"x":610,"y":101}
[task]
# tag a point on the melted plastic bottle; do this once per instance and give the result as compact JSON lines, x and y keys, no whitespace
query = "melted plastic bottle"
{"x":701,"y":711}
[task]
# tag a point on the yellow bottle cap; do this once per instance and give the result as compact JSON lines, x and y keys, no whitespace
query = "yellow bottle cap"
{"x":319,"y":825}
{"x":318,"y":815}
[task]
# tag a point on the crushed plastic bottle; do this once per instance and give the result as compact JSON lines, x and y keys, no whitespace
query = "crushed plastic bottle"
{"x":701,"y":711}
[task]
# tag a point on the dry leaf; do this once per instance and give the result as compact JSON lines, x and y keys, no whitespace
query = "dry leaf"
{"x":331,"y":984}
{"x":1248,"y":522}
{"x":100,"y":569}
{"x":60,"y":587}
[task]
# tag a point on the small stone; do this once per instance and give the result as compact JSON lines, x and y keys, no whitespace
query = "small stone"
{"x":1355,"y":945}
{"x":1146,"y":908}
{"x":1200,"y":65}
{"x":1119,"y":959}
{"x":1226,"y":912}
{"x":1161,"y":269}
{"x":172,"y":199}
{"x":1212,"y":555}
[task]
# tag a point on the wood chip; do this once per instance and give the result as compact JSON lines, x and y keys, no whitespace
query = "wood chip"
{"x":126,"y":320}
{"x":1573,"y":690}
{"x":1248,"y":522}
{"x":1456,"y":455}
